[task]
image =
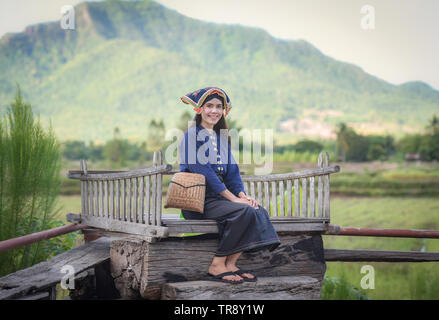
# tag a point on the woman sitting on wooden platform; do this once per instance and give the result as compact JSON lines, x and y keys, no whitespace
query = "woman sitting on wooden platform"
{"x":243,"y":224}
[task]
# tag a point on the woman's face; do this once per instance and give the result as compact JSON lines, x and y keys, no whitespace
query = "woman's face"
{"x":211,"y":112}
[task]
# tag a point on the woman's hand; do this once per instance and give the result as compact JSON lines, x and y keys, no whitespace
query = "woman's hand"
{"x":245,"y":201}
{"x":252,"y":202}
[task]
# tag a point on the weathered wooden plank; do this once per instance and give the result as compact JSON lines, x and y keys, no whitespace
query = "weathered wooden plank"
{"x":274,"y":198}
{"x":129,"y":215}
{"x":112,"y":215}
{"x":120,"y":175}
{"x":296,"y":198}
{"x":312,"y":198}
{"x":135,"y":200}
{"x":252,"y":189}
{"x":154,"y":193}
{"x":148,"y":200}
{"x":117,"y":199}
{"x":266,"y":288}
{"x":320,"y":187}
{"x":90,"y":198}
{"x":293,"y":175}
{"x":106,"y":201}
{"x":281,"y":199}
{"x":246,"y":188}
{"x":304,"y":198}
{"x":260,"y":193}
{"x":123,"y":195}
{"x":326,"y":184}
{"x":125,"y":226}
{"x":48,"y":273}
{"x":159,"y":191}
{"x":84,"y":193}
{"x":267,"y":196}
{"x":379,"y":255}
{"x":289,"y":199}
{"x":285,"y":224}
{"x":96,"y":198}
{"x":100,"y":199}
{"x":141,"y":215}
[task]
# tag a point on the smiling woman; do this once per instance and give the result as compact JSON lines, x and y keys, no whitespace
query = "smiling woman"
{"x":243,"y":224}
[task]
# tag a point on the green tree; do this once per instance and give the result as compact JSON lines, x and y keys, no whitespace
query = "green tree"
{"x":185,"y":118}
{"x":30,"y":163}
{"x":308,"y":146}
{"x":156,"y":135}
{"x":115,"y":149}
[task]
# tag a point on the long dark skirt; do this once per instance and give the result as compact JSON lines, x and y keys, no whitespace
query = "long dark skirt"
{"x":240,"y":227}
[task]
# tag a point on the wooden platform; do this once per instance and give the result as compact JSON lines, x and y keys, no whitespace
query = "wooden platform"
{"x":38,"y":281}
{"x":140,"y":268}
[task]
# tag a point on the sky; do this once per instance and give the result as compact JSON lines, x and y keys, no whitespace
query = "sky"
{"x":395,"y":40}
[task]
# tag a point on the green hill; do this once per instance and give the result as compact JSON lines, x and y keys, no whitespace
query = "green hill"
{"x":129,"y":62}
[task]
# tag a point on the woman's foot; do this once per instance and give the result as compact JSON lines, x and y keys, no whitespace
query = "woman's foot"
{"x":218,"y":269}
{"x":234,"y":268}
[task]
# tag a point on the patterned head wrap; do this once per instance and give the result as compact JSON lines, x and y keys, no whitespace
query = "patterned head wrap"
{"x":197,"y":98}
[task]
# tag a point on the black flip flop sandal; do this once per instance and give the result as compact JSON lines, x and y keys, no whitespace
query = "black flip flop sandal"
{"x":219,"y":277}
{"x":239,"y":272}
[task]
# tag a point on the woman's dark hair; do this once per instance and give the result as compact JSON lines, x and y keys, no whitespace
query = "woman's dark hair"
{"x":221,"y":124}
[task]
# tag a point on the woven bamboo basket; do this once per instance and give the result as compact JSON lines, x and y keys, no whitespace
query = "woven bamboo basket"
{"x":186,"y":191}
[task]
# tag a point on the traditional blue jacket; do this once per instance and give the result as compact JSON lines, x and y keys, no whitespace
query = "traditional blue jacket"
{"x":208,"y":153}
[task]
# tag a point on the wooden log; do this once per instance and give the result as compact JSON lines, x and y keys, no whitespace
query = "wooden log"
{"x":147,"y":266}
{"x":266,"y":288}
{"x":379,"y":255}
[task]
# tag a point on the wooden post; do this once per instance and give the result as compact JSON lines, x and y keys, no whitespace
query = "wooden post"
{"x":326,"y":183}
{"x":320,"y":187}
{"x":84,"y":189}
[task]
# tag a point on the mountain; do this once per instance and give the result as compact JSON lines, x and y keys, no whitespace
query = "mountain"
{"x":127,"y":63}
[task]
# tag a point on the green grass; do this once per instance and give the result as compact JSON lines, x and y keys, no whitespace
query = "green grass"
{"x":392,"y":280}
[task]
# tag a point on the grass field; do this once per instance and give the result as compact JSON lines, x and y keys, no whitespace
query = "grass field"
{"x":392,"y":280}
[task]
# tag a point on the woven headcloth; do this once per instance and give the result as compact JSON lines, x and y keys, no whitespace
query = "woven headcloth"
{"x":197,"y":98}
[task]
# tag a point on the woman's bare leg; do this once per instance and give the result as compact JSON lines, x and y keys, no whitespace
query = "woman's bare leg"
{"x":218,"y":266}
{"x":231,"y":264}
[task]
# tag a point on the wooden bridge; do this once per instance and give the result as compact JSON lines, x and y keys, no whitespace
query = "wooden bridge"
{"x":142,"y":252}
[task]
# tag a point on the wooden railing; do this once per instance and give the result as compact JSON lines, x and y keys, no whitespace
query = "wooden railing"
{"x":131,"y":201}
{"x":297,"y":189}
{"x":125,"y":201}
